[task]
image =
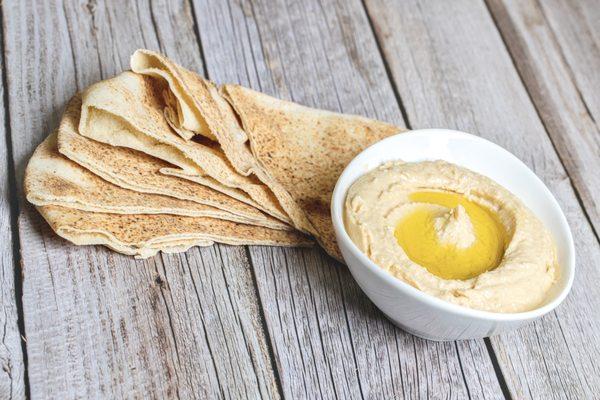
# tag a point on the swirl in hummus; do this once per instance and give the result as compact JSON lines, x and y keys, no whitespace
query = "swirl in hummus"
{"x":452,"y":233}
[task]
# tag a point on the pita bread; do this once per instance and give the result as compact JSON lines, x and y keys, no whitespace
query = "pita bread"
{"x":186,"y":120}
{"x":303,"y":151}
{"x":127,"y":111}
{"x":199,"y":104}
{"x":298,"y":152}
{"x":144,"y":235}
{"x":195,"y":107}
{"x":52,"y":179}
{"x":139,"y":172}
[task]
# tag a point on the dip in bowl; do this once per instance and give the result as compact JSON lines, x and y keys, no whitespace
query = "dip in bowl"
{"x":451,"y":236}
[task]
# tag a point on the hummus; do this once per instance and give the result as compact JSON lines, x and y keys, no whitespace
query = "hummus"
{"x":452,"y":233}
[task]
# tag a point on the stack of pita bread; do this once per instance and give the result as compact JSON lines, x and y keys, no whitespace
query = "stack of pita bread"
{"x":160,"y":159}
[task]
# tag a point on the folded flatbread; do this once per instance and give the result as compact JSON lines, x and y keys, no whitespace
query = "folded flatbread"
{"x":53,"y":179}
{"x":317,"y":143}
{"x":197,"y":109}
{"x":136,"y":171}
{"x":194,"y":106}
{"x":128,"y":111}
{"x":298,"y":152}
{"x":143,"y":235}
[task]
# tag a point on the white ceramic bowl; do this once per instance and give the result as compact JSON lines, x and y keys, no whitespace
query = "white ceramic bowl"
{"x":419,"y":313}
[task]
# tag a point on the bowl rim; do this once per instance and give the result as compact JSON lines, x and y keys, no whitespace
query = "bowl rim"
{"x":338,"y":199}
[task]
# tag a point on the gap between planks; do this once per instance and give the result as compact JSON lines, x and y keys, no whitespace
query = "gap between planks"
{"x":14,"y":329}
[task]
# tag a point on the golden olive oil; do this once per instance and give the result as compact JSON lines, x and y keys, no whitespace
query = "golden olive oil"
{"x":416,"y":233}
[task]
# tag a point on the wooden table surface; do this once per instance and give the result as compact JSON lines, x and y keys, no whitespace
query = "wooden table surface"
{"x":260,"y":322}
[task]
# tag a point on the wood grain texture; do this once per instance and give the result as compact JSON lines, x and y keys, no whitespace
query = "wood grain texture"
{"x":12,"y":368}
{"x":576,"y":27}
{"x":453,"y":70}
{"x":101,"y":325}
{"x":562,"y":91}
{"x":328,"y":339}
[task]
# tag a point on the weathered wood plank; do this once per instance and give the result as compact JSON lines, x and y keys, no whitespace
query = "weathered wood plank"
{"x":99,"y":324}
{"x":328,"y":339}
{"x":452,"y":69}
{"x":555,"y":87}
{"x":576,"y":26}
{"x":12,"y":368}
